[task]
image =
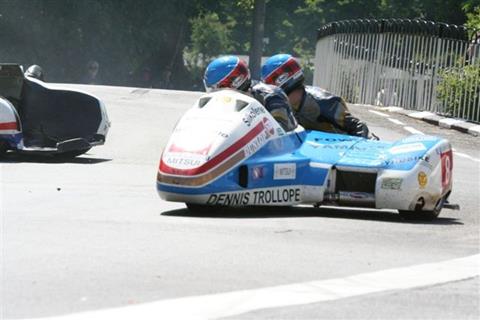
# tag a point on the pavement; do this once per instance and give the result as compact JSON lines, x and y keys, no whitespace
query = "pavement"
{"x":433,"y":118}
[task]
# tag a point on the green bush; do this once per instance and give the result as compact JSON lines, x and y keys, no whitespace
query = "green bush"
{"x":459,"y":91}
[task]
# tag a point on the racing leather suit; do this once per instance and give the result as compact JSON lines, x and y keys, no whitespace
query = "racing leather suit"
{"x":323,"y":111}
{"x":276,"y":102}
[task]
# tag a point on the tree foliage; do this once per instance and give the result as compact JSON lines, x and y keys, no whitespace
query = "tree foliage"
{"x":129,"y":36}
{"x":458,"y":90}
{"x":209,"y":37}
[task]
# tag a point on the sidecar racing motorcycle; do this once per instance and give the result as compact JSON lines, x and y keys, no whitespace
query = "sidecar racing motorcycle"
{"x":37,"y":118}
{"x":228,"y":151}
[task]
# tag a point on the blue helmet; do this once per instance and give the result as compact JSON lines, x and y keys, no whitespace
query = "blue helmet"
{"x":284,"y":71}
{"x":227,"y":72}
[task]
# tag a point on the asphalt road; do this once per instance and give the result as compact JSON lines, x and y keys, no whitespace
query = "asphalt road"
{"x":92,"y":234}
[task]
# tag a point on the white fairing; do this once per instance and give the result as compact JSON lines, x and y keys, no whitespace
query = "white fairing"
{"x":105,"y":123}
{"x":430,"y":179}
{"x":218,"y":120}
{"x":8,"y":115}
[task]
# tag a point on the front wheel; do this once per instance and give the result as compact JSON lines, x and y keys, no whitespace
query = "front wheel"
{"x":203,"y":208}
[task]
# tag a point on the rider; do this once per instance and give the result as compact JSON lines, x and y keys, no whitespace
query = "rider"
{"x":232,"y":72}
{"x":35,"y":71}
{"x":313,"y":107}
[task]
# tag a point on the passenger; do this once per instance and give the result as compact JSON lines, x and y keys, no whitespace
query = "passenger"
{"x":313,"y":107}
{"x":35,"y":71}
{"x":232,"y":72}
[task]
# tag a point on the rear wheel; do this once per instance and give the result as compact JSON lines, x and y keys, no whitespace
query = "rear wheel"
{"x":421,"y":215}
{"x":3,"y":148}
{"x":71,"y":154}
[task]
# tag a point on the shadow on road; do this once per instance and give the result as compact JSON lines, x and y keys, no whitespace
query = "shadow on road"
{"x":20,"y":158}
{"x":306,"y":212}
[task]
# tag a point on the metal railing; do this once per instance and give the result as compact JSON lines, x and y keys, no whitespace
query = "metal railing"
{"x":414,"y":64}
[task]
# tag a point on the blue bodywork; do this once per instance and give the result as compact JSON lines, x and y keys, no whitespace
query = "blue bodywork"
{"x":305,"y":148}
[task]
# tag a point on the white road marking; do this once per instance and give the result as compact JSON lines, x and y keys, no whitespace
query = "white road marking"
{"x":226,"y":304}
{"x":413,"y":130}
{"x":379,"y":113}
{"x":396,"y":121}
{"x":463,"y":155}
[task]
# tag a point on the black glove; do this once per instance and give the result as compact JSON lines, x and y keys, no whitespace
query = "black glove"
{"x":355,"y":127}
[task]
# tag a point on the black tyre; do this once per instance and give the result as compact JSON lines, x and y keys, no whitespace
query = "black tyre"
{"x":420,"y":215}
{"x":3,"y":148}
{"x":203,"y":208}
{"x":71,"y":154}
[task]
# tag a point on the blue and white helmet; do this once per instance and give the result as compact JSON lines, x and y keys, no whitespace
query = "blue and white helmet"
{"x":284,"y":71}
{"x":227,"y":72}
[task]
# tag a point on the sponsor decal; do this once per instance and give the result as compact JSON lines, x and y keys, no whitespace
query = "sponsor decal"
{"x":314,"y":144}
{"x":256,"y":144}
{"x":227,"y":99}
{"x":402,"y":160}
{"x":329,"y":139}
{"x":268,"y":126}
{"x":419,"y":138}
{"x":201,"y":150}
{"x":257,"y":173}
{"x":447,"y":166}
{"x":405,"y":148}
{"x":282,"y":78}
{"x":392,"y":183}
{"x":422,"y":179}
{"x":252,"y":114}
{"x":284,"y":171}
{"x":339,"y":146}
{"x":223,"y":134}
{"x":238,"y":81}
{"x":184,"y":161}
{"x":358,"y":195}
{"x":259,"y":197}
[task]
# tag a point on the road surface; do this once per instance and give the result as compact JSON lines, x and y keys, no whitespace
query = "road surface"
{"x":90,"y":238}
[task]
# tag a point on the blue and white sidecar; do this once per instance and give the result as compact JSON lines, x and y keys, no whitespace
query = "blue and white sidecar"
{"x":229,"y":151}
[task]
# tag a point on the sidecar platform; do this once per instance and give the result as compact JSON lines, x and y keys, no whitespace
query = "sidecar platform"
{"x":53,"y":120}
{"x":52,"y":116}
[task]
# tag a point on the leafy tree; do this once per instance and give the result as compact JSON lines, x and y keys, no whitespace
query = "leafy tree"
{"x":129,"y":36}
{"x":209,"y":38}
{"x":457,"y":90}
{"x":472,"y":9}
